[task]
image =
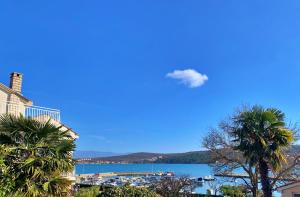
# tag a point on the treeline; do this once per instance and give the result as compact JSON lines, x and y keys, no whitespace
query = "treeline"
{"x":196,"y":157}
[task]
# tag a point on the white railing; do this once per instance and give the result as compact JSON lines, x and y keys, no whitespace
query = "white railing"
{"x":35,"y":112}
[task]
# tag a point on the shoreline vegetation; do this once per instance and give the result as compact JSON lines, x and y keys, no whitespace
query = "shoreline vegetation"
{"x":193,"y":157}
{"x":199,"y":157}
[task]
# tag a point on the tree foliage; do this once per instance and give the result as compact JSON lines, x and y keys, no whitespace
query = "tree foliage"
{"x":187,"y":158}
{"x":262,"y":137}
{"x":233,"y":191}
{"x":224,"y":145}
{"x":33,"y":156}
{"x":228,"y":160}
{"x":173,"y":187}
{"x":88,"y":192}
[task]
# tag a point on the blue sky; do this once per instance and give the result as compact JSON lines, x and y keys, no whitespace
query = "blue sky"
{"x":104,"y":64}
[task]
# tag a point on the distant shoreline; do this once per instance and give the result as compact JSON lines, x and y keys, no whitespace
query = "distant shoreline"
{"x":141,"y":163}
{"x":194,"y":157}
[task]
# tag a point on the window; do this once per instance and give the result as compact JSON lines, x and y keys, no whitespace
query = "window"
{"x":296,"y":195}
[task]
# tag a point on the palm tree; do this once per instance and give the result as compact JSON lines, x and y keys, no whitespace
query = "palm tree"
{"x":33,"y":156}
{"x":262,"y":136}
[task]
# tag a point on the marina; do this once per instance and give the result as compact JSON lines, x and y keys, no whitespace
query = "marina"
{"x":119,"y":179}
{"x":143,"y":175}
{"x":136,"y":179}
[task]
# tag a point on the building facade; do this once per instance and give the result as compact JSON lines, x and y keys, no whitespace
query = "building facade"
{"x":13,"y":102}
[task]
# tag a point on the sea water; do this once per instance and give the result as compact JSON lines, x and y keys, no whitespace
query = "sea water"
{"x":191,"y":170}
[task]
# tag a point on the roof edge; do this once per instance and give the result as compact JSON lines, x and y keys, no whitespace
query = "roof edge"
{"x":10,"y":91}
{"x":287,"y":186}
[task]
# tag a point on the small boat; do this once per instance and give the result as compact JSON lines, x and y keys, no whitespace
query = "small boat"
{"x":208,"y":178}
{"x":199,"y":180}
{"x":168,"y":174}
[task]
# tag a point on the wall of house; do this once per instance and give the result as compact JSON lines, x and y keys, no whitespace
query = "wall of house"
{"x":290,"y":191}
{"x":3,"y":100}
{"x":11,"y":103}
{"x":3,"y":96}
{"x":15,"y":106}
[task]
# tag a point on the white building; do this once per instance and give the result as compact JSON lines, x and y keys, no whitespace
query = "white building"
{"x":13,"y":102}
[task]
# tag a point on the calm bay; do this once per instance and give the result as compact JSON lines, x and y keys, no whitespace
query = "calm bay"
{"x":191,"y":170}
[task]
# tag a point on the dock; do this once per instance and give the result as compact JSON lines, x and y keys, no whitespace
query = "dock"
{"x":245,"y":176}
{"x":111,"y":174}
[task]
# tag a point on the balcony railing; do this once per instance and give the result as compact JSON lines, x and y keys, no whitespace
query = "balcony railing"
{"x":35,"y":112}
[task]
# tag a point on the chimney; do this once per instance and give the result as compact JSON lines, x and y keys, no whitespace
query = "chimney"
{"x":16,"y":81}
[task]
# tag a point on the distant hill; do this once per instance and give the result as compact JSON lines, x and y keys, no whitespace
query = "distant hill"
{"x":91,"y":154}
{"x":194,"y":157}
{"x":143,"y":157}
{"x":295,"y":149}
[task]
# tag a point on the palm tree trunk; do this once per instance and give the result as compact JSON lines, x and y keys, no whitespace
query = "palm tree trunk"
{"x":265,"y":181}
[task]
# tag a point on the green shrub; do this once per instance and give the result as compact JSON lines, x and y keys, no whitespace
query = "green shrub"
{"x":234,"y":191}
{"x":33,"y":156}
{"x":88,"y":192}
{"x":124,"y":191}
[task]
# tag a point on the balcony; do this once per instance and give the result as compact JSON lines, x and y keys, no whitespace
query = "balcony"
{"x":35,"y":112}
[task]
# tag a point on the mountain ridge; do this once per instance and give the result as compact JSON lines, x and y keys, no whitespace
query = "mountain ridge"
{"x":147,"y":157}
{"x":92,"y":154}
{"x":191,"y":157}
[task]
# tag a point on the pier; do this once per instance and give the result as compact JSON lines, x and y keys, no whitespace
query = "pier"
{"x":245,"y":176}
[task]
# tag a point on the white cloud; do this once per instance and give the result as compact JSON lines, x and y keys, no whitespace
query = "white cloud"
{"x":189,"y":77}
